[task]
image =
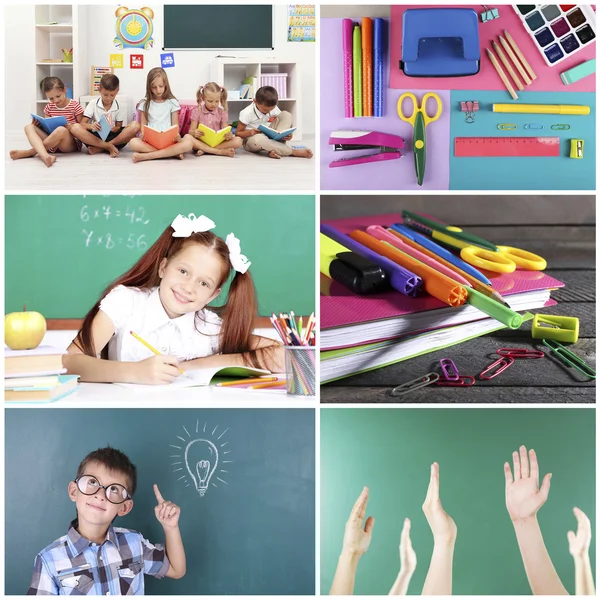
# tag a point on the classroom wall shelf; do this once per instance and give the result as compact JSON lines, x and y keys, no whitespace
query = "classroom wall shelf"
{"x":58,"y":27}
{"x":231,"y":73}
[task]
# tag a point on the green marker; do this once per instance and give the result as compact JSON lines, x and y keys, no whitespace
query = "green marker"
{"x":357,"y":70}
{"x":494,"y":309}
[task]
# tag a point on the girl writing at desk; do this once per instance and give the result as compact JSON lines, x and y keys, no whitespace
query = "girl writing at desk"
{"x":163,"y":299}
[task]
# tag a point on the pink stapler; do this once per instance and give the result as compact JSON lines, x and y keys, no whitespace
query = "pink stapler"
{"x":351,"y":139}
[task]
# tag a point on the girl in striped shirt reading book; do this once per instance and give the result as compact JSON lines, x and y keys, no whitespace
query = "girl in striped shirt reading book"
{"x":44,"y":144}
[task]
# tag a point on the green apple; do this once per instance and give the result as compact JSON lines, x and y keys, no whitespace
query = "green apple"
{"x":24,"y":330}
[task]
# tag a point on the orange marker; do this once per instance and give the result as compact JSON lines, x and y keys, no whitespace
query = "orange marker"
{"x":439,"y":286}
{"x":367,"y":66}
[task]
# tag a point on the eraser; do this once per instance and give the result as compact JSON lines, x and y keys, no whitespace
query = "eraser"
{"x":579,"y":72}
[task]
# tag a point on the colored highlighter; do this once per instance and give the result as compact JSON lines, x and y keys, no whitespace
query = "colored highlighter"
{"x":401,"y":279}
{"x":347,"y":26}
{"x":437,"y":285}
{"x":357,"y":71}
{"x":494,"y":309}
{"x":378,"y":51}
{"x":367,"y":67}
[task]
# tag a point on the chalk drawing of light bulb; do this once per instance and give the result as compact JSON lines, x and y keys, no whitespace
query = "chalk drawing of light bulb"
{"x":201,"y":459}
{"x":202,"y":455}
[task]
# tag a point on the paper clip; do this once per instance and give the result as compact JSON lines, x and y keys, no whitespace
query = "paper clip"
{"x":570,"y":359}
{"x":551,"y":327}
{"x":463,"y":381}
{"x":502,"y":364}
{"x":533,"y":126}
{"x":560,"y":127}
{"x":415,"y":384}
{"x":449,"y":370}
{"x":507,"y":126}
{"x":517,"y":353}
{"x":470,"y":107}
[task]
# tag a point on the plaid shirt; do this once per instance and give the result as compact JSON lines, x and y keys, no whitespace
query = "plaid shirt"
{"x":73,"y":565}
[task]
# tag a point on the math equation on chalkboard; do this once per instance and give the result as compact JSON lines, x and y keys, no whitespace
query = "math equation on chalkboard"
{"x":94,"y":234}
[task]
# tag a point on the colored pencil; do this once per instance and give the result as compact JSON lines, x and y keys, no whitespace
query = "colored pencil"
{"x":520,"y":55}
{"x":247,"y":380}
{"x":501,"y":74}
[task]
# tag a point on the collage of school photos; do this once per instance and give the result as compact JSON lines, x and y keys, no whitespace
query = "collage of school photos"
{"x":300,"y":299}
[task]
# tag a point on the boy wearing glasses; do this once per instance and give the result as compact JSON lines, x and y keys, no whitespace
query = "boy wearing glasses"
{"x":95,"y":558}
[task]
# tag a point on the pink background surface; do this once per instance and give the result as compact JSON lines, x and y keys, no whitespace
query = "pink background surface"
{"x":548,"y":78}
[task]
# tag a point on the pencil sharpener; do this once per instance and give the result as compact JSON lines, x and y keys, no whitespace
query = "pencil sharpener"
{"x":554,"y":327}
{"x":576,"y":149}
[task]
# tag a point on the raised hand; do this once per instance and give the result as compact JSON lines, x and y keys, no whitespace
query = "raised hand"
{"x":579,"y":543}
{"x":524,"y":497}
{"x":166,"y":512}
{"x":440,"y":522}
{"x":357,"y":537}
{"x":408,"y":557}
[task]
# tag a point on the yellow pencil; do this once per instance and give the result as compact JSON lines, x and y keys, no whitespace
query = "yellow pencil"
{"x":247,"y":380}
{"x":151,"y":348}
{"x":268,"y":385}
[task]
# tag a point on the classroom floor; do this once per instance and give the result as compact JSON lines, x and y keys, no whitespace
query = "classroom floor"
{"x":80,"y":171}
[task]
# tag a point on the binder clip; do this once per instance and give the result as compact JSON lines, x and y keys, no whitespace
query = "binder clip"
{"x":496,"y":368}
{"x":569,"y":358}
{"x":551,"y":327}
{"x":470,"y":107}
{"x":415,"y":384}
{"x":488,"y":14}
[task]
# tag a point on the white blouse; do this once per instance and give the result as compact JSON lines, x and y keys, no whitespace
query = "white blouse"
{"x":186,"y":337}
{"x":159,"y":113}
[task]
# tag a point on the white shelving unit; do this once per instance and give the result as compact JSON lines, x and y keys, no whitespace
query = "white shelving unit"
{"x":59,"y":26}
{"x":231,"y":72}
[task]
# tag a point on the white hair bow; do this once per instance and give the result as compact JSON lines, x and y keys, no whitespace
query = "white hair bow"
{"x":185,"y":226}
{"x":238,"y":261}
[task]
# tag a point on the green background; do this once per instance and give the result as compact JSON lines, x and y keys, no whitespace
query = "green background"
{"x":253,"y":535}
{"x":391,"y":450}
{"x":49,"y":268}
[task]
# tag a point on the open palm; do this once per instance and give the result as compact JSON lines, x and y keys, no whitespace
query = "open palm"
{"x":440,"y":522}
{"x":524,"y":497}
{"x":579,"y":543}
{"x":357,"y":537}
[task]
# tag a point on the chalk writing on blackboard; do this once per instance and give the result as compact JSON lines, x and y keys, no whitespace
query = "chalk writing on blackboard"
{"x":106,"y":212}
{"x":132,"y":241}
{"x":202,"y":457}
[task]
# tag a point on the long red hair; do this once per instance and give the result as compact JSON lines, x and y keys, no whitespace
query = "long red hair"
{"x":238,"y":313}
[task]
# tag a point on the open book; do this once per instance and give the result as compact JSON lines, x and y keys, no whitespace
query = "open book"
{"x":160,"y":139}
{"x":274,"y":134}
{"x":201,"y":377}
{"x":49,"y":124}
{"x":211,"y":137}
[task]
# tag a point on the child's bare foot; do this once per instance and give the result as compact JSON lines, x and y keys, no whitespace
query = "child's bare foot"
{"x":180,"y":156}
{"x":227,"y":152}
{"x":112,"y":150}
{"x":17,"y":154}
{"x":49,"y":160}
{"x":273,"y":154}
{"x":138,"y":157}
{"x":302,"y":152}
{"x":199,"y":152}
{"x":93,"y":150}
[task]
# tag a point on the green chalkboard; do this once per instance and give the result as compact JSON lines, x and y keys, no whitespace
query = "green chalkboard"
{"x":62,"y":251}
{"x":218,"y":26}
{"x":252,"y":533}
{"x":391,"y":452}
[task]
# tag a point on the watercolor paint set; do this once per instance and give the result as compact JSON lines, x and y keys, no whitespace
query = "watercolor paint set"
{"x":558,"y":30}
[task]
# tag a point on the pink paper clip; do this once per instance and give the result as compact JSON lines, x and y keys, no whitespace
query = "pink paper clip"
{"x":502,"y":364}
{"x":463,"y":381}
{"x":520,"y":353}
{"x":449,"y":370}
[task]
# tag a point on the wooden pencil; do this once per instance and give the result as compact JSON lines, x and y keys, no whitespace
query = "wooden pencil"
{"x":262,"y":386}
{"x":520,"y":55}
{"x":507,"y":66}
{"x":515,"y":60}
{"x":501,"y":74}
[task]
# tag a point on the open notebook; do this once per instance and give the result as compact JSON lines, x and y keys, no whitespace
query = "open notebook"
{"x":200,"y":377}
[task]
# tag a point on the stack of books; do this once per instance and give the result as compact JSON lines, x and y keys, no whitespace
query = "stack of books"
{"x":362,"y":333}
{"x":36,"y":375}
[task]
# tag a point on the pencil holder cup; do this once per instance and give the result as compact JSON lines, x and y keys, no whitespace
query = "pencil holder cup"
{"x":67,"y":55}
{"x":300,"y":373}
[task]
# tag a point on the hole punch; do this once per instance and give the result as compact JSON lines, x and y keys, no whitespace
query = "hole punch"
{"x":470,"y":107}
{"x":507,"y":126}
{"x":496,"y":368}
{"x":415,"y":384}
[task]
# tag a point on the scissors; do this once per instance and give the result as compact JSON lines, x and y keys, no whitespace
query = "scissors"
{"x":419,"y":119}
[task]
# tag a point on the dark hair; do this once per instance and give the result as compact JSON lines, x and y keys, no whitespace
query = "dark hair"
{"x":266,"y":95}
{"x":167,"y":94}
{"x":113,"y":460}
{"x":240,"y":308}
{"x":50,"y":83}
{"x":109,"y":82}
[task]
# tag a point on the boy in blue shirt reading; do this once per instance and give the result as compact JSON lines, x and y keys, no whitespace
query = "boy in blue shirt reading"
{"x":95,"y":558}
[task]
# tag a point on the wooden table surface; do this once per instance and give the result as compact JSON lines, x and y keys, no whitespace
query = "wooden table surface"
{"x":570,"y":253}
